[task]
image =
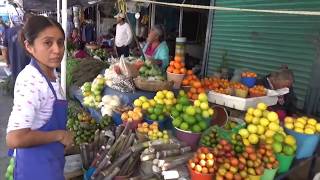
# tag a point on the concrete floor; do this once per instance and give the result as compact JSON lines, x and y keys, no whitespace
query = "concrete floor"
{"x":5,"y":109}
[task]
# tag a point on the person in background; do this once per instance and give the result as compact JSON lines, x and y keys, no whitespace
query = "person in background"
{"x":75,"y":36}
{"x":156,"y":48}
{"x":282,"y":78}
{"x":16,"y":57}
{"x":37,"y":124}
{"x":80,"y":52}
{"x":123,"y":36}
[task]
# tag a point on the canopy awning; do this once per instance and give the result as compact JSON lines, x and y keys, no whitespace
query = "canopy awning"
{"x":48,"y":5}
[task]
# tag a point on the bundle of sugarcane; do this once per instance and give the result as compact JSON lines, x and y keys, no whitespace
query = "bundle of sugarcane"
{"x":87,"y":70}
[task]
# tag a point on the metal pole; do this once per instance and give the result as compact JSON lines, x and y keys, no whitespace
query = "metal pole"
{"x":58,"y":11}
{"x":98,"y":21}
{"x":64,"y":14}
{"x":181,"y":20}
{"x":153,"y":14}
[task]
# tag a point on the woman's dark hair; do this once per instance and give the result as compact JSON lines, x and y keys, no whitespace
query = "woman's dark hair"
{"x":35,"y":25}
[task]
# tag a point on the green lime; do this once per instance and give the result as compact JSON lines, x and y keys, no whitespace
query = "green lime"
{"x":189,"y":119}
{"x":196,"y":128}
{"x":199,"y":117}
{"x":153,"y":117}
{"x":161,"y":117}
{"x":157,"y":111}
{"x":198,"y":110}
{"x":179,"y":107}
{"x":175,"y":113}
{"x":184,"y":126}
{"x":184,"y":100}
{"x":176,"y":122}
{"x":203,"y":125}
{"x":150,"y":110}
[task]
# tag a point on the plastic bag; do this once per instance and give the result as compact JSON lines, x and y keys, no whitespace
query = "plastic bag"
{"x":128,"y":69}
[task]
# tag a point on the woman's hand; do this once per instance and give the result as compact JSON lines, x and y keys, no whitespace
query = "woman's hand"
{"x":67,"y":138}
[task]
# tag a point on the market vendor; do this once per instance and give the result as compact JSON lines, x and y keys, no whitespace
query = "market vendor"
{"x":282,"y":78}
{"x":156,"y":48}
{"x":37,"y":124}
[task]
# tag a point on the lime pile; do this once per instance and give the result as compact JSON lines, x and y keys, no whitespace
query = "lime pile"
{"x":285,"y":144}
{"x":303,"y":125}
{"x":188,"y":117}
{"x":261,"y":125}
{"x":10,"y":168}
{"x":92,"y":91}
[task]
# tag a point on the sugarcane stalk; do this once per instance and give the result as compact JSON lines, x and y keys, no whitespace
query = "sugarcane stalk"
{"x":104,"y":162}
{"x":162,"y":147}
{"x":102,"y":138}
{"x":99,"y":156}
{"x":118,"y":131}
{"x":147,"y":157}
{"x":96,"y":141}
{"x":117,"y":163}
{"x":167,"y":153}
{"x":112,"y":174}
{"x":178,"y":161}
{"x":130,"y":141}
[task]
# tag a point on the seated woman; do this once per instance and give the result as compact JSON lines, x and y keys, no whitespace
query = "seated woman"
{"x":80,"y":52}
{"x":282,"y":79}
{"x":156,"y":48}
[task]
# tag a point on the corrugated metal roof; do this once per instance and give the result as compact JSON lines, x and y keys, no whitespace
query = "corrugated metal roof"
{"x":262,"y":42}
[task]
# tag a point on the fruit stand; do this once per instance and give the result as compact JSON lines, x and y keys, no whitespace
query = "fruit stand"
{"x":175,"y":125}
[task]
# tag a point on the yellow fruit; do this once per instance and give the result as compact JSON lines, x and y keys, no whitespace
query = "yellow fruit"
{"x":312,"y":122}
{"x":302,"y":121}
{"x":318,"y":127}
{"x":265,"y":113}
{"x":143,"y":98}
{"x":262,"y":137}
{"x":298,"y":125}
{"x":137,"y":103}
{"x":264,"y":122}
{"x":304,"y":117}
{"x":204,"y":105}
{"x":256,"y":120}
{"x":253,"y":139}
{"x":248,"y":118}
{"x":257,"y":113}
{"x":288,"y":120}
{"x":160,"y":95}
{"x":272,"y":116}
{"x":274,"y":126}
{"x":250,"y":111}
{"x":289,"y":125}
{"x":261,"y":130}
{"x":168,"y":102}
{"x":298,"y":130}
{"x":152,"y":102}
{"x":269,"y":140}
{"x":210,"y":111}
{"x":262,"y":106}
{"x":308,"y":126}
{"x":197,"y":103}
{"x":246,"y":142}
{"x":252,"y":128}
{"x":309,"y":131}
{"x":145,"y":105}
{"x":290,"y":140}
{"x":269,"y":133}
{"x":169,"y":95}
{"x":137,"y":109}
{"x":244,"y":133}
{"x":160,"y":101}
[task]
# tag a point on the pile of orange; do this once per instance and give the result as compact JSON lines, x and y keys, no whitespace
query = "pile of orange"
{"x":177,"y":66}
{"x":189,"y":78}
{"x":237,"y":85}
{"x":195,"y":90}
{"x":257,"y":91}
{"x":248,"y":74}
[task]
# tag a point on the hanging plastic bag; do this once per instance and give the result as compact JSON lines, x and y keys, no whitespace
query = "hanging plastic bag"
{"x":128,"y":69}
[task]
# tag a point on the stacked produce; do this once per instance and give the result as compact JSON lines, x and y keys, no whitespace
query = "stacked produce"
{"x":261,"y":125}
{"x":194,"y":118}
{"x":240,"y":90}
{"x":134,"y":115}
{"x":71,"y":65}
{"x":189,"y":78}
{"x":92,"y":92}
{"x":284,"y":144}
{"x":195,"y":90}
{"x":83,"y":125}
{"x":248,"y":74}
{"x":257,"y":91}
{"x":203,"y":161}
{"x":144,"y":103}
{"x":302,"y":125}
{"x":101,"y":53}
{"x":109,"y":104}
{"x":210,"y":138}
{"x":177,"y":66}
{"x":10,"y":170}
{"x":165,"y":97}
{"x":151,"y":71}
{"x":153,"y":132}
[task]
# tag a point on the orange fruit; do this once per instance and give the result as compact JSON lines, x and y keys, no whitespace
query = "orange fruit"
{"x":177,"y":65}
{"x":171,"y":63}
{"x":183,"y":70}
{"x":196,"y":84}
{"x":193,"y":90}
{"x":176,"y":71}
{"x":185,"y":82}
{"x":177,"y":59}
{"x":194,"y":97}
{"x":182,"y":64}
{"x":189,"y":72}
{"x":200,"y":90}
{"x":170,"y":69}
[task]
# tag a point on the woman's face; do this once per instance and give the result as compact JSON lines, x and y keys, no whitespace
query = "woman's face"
{"x":152,"y":36}
{"x":48,"y":47}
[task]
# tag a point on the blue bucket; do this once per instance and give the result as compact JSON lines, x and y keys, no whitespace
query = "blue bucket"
{"x":161,"y":124}
{"x":306,"y":144}
{"x":87,"y":175}
{"x":117,"y":118}
{"x":250,"y":82}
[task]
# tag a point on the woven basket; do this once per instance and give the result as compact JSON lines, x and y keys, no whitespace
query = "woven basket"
{"x":152,"y":85}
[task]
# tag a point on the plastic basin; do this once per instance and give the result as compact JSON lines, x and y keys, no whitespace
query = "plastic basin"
{"x":117,"y":118}
{"x":250,"y":82}
{"x":190,"y":138}
{"x":176,"y":78}
{"x":306,"y":144}
{"x":284,"y":162}
{"x":198,"y":176}
{"x":269,"y":174}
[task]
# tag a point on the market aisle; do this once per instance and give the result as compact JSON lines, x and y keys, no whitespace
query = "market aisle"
{"x":5,"y":109}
